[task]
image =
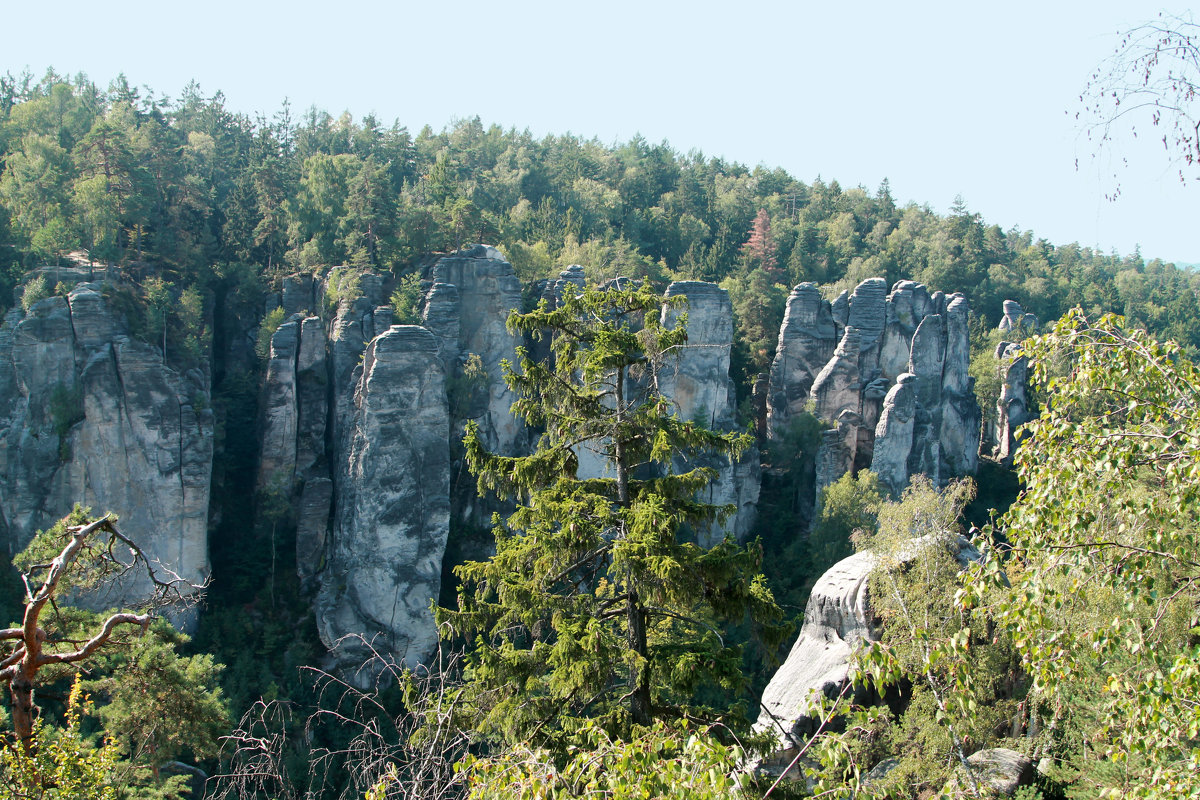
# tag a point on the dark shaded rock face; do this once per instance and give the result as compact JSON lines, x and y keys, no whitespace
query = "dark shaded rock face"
{"x":392,"y":502}
{"x":879,"y":337}
{"x":293,"y":463}
{"x":89,"y":415}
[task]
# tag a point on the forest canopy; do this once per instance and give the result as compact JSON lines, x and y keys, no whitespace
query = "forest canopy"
{"x":128,"y":175}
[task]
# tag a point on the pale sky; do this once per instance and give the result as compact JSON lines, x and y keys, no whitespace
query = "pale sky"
{"x":942,"y":98}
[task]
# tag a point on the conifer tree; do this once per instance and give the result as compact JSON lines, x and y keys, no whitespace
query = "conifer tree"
{"x":595,"y":605}
{"x":760,"y":247}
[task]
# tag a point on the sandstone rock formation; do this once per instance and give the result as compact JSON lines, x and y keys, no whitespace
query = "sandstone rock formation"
{"x":807,"y":340}
{"x":487,"y":292}
{"x":998,"y":770}
{"x":293,"y":462}
{"x":894,"y":434}
{"x":89,"y":415}
{"x":1015,"y":319}
{"x":1013,"y":408}
{"x":879,"y":338}
{"x":392,"y":503}
{"x":697,"y":381}
{"x":838,"y":620}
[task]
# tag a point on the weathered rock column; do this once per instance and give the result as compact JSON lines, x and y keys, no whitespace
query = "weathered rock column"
{"x":697,"y":380}
{"x":392,"y":506}
{"x":807,"y":341}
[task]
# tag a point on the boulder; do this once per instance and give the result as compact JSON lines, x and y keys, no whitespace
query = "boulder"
{"x":838,"y":620}
{"x":998,"y":770}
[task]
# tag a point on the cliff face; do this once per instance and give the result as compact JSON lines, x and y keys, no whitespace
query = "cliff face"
{"x":472,"y":295}
{"x":392,"y":503}
{"x":698,"y":382}
{"x":358,"y":421}
{"x":844,"y":361}
{"x":89,"y":415}
{"x":1015,"y":405}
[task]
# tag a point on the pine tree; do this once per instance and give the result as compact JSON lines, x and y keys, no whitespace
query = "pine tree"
{"x":595,"y":604}
{"x":760,"y":247}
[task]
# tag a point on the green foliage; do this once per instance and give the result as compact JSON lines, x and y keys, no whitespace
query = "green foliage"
{"x":665,"y":761}
{"x":848,"y":506}
{"x":592,"y":607}
{"x":531,"y":261}
{"x":464,"y":387}
{"x":342,"y":285}
{"x":161,"y":706}
{"x":62,"y":764}
{"x":1103,"y":596}
{"x":189,"y":311}
{"x":406,"y":300}
{"x":266,"y":329}
{"x":36,"y":289}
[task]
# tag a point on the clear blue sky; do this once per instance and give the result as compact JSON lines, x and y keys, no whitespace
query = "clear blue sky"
{"x":942,"y":99}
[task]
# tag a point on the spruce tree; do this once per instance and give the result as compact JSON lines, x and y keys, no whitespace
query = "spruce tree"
{"x":596,"y":605}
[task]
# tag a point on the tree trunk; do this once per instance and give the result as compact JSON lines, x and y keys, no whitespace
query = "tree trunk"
{"x":22,"y":710}
{"x":639,"y":672}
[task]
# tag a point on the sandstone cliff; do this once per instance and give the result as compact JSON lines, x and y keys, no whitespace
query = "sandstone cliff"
{"x":392,"y":504}
{"x":843,"y":360}
{"x":697,"y":381}
{"x":90,"y":415}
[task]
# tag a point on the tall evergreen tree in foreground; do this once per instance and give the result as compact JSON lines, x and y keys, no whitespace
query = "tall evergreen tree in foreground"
{"x":595,"y":606}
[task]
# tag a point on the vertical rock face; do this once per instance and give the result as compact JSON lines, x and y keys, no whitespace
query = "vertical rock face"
{"x":868,"y":315}
{"x":927,"y":362}
{"x":488,"y":290}
{"x":698,"y":382}
{"x":908,"y":331}
{"x":894,"y":434}
{"x":293,"y":463}
{"x":277,"y":463}
{"x":807,"y":340}
{"x":698,"y":379}
{"x":838,"y":387}
{"x":1013,"y":407}
{"x":962,"y":418}
{"x":839,"y":446}
{"x":89,"y":415}
{"x":392,"y":503}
